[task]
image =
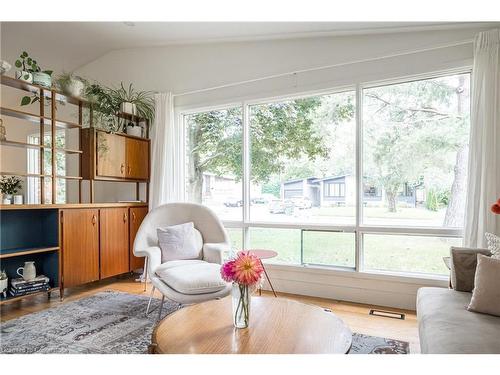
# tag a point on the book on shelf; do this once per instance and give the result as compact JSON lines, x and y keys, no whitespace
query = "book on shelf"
{"x":20,"y":283}
{"x":16,"y":293}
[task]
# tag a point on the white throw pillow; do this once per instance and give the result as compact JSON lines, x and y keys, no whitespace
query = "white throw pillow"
{"x":493,"y":244}
{"x":182,"y":241}
{"x":486,"y":294}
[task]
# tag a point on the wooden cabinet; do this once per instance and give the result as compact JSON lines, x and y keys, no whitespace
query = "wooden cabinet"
{"x":137,"y":159}
{"x":80,"y":243}
{"x":114,"y":249}
{"x":114,"y":156}
{"x":110,"y":155}
{"x":136,"y":216}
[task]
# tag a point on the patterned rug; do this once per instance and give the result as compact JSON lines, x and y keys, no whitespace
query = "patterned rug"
{"x":114,"y":323}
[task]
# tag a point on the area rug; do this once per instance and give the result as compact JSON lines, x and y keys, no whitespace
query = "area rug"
{"x":114,"y":323}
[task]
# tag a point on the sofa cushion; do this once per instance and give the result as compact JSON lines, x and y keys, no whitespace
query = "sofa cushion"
{"x":182,"y":241}
{"x":486,"y":295}
{"x":446,"y":326}
{"x":463,"y":267}
{"x":192,"y":277}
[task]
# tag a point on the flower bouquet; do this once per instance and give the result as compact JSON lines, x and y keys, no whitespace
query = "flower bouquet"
{"x":244,"y":272}
{"x":495,"y":208}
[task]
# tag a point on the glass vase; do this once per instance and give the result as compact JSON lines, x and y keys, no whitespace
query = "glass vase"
{"x":241,"y":305}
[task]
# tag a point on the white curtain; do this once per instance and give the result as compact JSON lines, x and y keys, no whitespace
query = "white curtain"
{"x":484,"y":161}
{"x":166,"y":154}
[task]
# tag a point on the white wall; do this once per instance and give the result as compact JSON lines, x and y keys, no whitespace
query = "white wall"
{"x":191,"y":67}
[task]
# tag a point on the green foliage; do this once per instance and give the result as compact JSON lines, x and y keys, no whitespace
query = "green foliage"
{"x":29,"y":64}
{"x":280,"y":133}
{"x":272,"y":187}
{"x":10,"y":185}
{"x":142,"y":99}
{"x":412,"y":130}
{"x":432,"y":201}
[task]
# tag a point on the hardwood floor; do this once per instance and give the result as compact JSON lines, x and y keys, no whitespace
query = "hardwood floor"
{"x":355,"y":315}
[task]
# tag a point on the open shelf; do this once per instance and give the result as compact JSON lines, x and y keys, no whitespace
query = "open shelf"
{"x":24,"y":174}
{"x":9,"y":253}
{"x":131,"y":117}
{"x":34,"y":146}
{"x":36,"y":118}
{"x":68,"y":151}
{"x":70,"y":177}
{"x":21,"y":144}
{"x":12,"y":299}
{"x":31,"y":87}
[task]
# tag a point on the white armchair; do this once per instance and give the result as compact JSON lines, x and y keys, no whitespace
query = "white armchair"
{"x":184,"y":281}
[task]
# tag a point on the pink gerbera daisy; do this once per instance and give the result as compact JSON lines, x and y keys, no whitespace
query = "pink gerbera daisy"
{"x":247,"y":268}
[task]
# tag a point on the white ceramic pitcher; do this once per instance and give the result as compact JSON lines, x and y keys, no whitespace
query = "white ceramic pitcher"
{"x":28,"y":271}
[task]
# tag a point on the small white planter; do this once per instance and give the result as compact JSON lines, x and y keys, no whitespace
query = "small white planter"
{"x":18,"y":199}
{"x":24,"y":76}
{"x":7,"y":199}
{"x":136,"y":131}
{"x":73,"y":88}
{"x":129,"y":108}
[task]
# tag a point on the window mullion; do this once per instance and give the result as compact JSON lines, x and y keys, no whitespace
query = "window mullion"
{"x":359,"y":178}
{"x":246,"y":171}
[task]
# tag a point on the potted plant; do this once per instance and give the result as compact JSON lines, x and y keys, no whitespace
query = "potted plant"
{"x":139,"y":103}
{"x":31,"y":71}
{"x":4,"y":281}
{"x":103,"y":106}
{"x":70,"y":84}
{"x":10,"y":186}
{"x":24,"y":64}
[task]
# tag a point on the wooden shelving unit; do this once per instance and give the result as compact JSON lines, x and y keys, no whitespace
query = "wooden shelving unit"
{"x":44,"y":245}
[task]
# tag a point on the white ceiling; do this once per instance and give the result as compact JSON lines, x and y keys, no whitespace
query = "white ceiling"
{"x":69,"y":45}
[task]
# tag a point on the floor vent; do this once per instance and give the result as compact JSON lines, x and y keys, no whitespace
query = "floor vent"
{"x":387,"y":314}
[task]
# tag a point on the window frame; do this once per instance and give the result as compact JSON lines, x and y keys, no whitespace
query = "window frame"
{"x":358,"y":228}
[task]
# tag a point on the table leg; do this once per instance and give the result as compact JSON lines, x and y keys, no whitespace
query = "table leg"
{"x":268,"y":280}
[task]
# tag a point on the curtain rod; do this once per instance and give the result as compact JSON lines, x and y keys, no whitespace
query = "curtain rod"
{"x":466,"y":41}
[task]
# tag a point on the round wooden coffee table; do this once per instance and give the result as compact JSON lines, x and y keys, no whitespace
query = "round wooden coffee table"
{"x":277,"y":326}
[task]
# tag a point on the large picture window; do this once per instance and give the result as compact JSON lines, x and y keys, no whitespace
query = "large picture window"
{"x":302,"y":160}
{"x":415,"y":152}
{"x":306,"y":176}
{"x":214,"y":161}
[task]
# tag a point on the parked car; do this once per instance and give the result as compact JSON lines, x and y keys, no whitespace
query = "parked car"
{"x":301,"y":202}
{"x":233,"y":202}
{"x":263,"y":199}
{"x":278,"y":206}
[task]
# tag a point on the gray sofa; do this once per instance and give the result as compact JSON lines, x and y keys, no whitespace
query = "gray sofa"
{"x":445,"y":325}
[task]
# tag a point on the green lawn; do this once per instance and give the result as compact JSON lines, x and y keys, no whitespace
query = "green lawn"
{"x":381,"y":252}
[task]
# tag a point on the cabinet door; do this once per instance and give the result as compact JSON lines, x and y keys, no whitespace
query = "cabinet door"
{"x":137,"y":159}
{"x":114,"y":253}
{"x":80,"y":246}
{"x":137,"y":214}
{"x":110,"y":150}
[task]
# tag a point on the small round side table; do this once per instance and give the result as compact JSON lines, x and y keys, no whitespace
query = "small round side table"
{"x":264,"y":254}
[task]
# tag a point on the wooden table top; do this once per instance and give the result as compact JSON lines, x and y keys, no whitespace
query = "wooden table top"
{"x":277,"y":326}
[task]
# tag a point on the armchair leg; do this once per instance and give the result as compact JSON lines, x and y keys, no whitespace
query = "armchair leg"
{"x":161,"y":307}
{"x":150,"y":299}
{"x":146,"y":275}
